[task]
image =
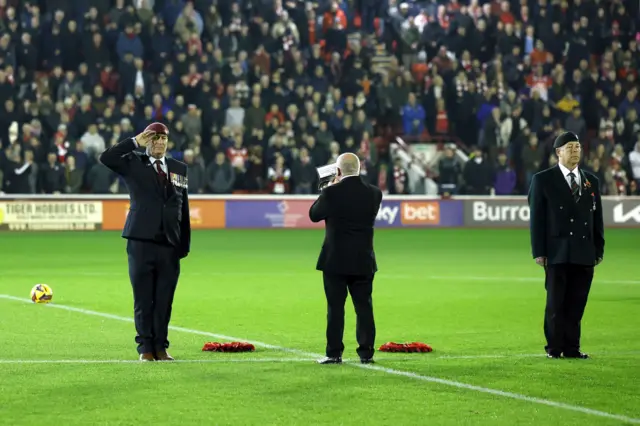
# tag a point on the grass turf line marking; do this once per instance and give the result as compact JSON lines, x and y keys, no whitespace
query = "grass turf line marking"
{"x":252,"y":360}
{"x":540,"y":279}
{"x":390,"y":371}
{"x":182,"y":361}
{"x":132,"y":361}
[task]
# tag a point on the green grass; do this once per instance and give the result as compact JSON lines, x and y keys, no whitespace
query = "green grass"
{"x":468,"y":293}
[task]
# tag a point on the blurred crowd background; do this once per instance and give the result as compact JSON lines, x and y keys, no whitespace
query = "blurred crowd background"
{"x":257,"y":93}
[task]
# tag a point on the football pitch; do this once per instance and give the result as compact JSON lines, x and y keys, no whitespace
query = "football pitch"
{"x":476,"y":296}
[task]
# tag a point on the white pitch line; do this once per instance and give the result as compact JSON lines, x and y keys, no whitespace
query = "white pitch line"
{"x":370,"y":367}
{"x":417,"y":357}
{"x":187,"y":361}
{"x":538,"y":355}
{"x":539,"y":279}
{"x":132,"y":361}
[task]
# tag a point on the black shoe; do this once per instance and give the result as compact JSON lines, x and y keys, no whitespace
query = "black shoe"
{"x":330,"y":360}
{"x":367,"y":361}
{"x":553,"y":355}
{"x":576,"y":355}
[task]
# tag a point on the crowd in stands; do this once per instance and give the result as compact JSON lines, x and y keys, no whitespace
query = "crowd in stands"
{"x":257,"y":93}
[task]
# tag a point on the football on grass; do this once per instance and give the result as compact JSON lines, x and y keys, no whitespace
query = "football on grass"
{"x":41,"y":293}
{"x":158,"y":128}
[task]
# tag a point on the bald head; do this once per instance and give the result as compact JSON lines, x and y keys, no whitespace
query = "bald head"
{"x":348,"y":164}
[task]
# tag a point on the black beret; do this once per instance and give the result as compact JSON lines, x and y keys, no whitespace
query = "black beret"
{"x":564,"y":139}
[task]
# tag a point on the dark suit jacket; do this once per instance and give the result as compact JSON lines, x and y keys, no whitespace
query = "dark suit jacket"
{"x":561,"y":229}
{"x":349,"y":210}
{"x":151,"y":206}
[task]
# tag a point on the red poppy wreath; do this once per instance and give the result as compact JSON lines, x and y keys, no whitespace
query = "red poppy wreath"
{"x":228,"y":347}
{"x":405,"y":347}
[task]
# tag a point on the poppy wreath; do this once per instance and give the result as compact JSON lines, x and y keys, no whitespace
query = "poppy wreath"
{"x":405,"y":347}
{"x":228,"y":347}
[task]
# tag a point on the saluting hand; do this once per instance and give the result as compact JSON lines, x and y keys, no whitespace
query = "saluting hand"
{"x":144,"y":138}
{"x":542,"y":261}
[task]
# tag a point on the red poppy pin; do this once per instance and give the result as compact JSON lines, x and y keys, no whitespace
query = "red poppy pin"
{"x":587,"y":184}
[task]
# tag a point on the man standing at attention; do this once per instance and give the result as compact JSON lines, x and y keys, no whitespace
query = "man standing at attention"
{"x":349,"y":207}
{"x":158,"y":232}
{"x":567,"y":239}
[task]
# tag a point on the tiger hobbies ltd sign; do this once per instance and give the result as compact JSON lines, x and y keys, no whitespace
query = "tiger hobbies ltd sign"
{"x":514,"y":212}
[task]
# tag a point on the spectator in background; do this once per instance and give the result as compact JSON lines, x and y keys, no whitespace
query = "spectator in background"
{"x":92,"y":142}
{"x":101,"y":180}
{"x":31,"y":173}
{"x":449,"y":173}
{"x":73,"y":176}
{"x":532,"y":155}
{"x":220,"y":175}
{"x":634,"y":163}
{"x":505,"y":177}
{"x":304,"y":174}
{"x":129,"y":45}
{"x":279,"y":176}
{"x":413,"y":117}
{"x":52,"y":176}
{"x":617,"y":179}
{"x":399,"y":179}
{"x":16,"y":173}
{"x":118,"y":68}
{"x":478,"y":175}
{"x":575,"y":123}
{"x":195,"y":171}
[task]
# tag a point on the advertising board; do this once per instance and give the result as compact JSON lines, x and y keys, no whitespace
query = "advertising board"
{"x":83,"y":213}
{"x":514,"y":212}
{"x":26,"y":215}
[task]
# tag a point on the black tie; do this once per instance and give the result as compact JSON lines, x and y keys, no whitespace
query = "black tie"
{"x":575,"y":189}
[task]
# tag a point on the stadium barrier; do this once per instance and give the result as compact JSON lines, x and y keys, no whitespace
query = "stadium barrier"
{"x":89,"y":212}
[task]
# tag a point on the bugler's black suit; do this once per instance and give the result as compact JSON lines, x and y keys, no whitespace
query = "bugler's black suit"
{"x":158,"y":231}
{"x":570,"y":235}
{"x":347,"y":259}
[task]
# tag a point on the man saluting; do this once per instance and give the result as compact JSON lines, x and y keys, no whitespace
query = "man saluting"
{"x":157,"y":230}
{"x":567,"y":239}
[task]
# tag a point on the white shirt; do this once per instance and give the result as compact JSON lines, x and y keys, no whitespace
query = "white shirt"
{"x":575,"y":171}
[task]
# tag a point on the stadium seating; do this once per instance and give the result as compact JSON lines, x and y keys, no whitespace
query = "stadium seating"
{"x":260,"y":92}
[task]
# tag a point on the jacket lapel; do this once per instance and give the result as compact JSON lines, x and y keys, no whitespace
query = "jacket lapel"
{"x":586,"y":198}
{"x":150,"y":170}
{"x":171,"y":190}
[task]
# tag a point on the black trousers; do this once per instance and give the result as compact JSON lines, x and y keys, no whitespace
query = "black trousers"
{"x":153,"y":270}
{"x":361,"y":288}
{"x":567,"y":288}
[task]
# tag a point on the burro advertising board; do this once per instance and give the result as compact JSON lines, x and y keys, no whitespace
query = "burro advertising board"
{"x":514,"y":212}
